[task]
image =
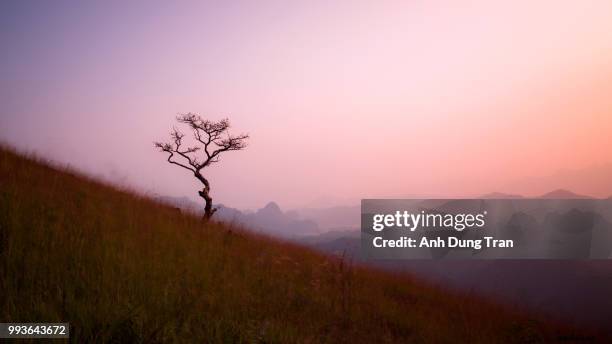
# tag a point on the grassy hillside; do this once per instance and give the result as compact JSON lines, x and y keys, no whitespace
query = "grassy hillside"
{"x":119,"y":266}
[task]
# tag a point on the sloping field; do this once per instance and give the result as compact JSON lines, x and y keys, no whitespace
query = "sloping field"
{"x":120,"y":267}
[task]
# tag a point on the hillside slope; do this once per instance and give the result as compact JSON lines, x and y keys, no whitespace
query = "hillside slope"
{"x":118,"y":266}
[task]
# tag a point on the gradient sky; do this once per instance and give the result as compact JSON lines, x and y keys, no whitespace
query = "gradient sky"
{"x":343,"y":100}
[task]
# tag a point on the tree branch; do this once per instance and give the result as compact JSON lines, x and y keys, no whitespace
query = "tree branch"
{"x":166,"y":147}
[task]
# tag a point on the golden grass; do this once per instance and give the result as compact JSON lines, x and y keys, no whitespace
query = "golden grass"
{"x":120,"y":267}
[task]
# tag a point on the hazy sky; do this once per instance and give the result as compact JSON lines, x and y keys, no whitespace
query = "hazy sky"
{"x":343,"y":100}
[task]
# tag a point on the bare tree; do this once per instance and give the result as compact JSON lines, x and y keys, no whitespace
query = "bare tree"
{"x":211,"y":137}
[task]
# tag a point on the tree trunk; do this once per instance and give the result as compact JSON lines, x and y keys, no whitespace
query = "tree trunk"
{"x":205,"y":193}
{"x":208,"y":209}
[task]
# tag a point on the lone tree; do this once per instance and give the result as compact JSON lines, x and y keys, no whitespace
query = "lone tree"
{"x":213,"y":138}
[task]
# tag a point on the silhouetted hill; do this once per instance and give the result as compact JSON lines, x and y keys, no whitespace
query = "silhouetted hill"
{"x":271,"y":211}
{"x":563,"y":194}
{"x":593,"y":180}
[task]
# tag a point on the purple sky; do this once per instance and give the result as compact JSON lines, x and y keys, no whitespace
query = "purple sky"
{"x":343,"y":101}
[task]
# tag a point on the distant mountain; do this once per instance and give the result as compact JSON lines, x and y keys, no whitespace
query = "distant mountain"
{"x":269,"y":220}
{"x":271,"y":211}
{"x":563,"y":194}
{"x":499,"y":195}
{"x":594,"y":180}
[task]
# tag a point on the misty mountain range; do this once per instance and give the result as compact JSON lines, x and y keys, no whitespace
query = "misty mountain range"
{"x":310,"y":222}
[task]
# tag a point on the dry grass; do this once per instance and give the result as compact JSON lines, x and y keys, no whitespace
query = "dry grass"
{"x":120,"y":267}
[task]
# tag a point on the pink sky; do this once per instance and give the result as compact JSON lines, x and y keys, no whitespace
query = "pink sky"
{"x":343,"y":101}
